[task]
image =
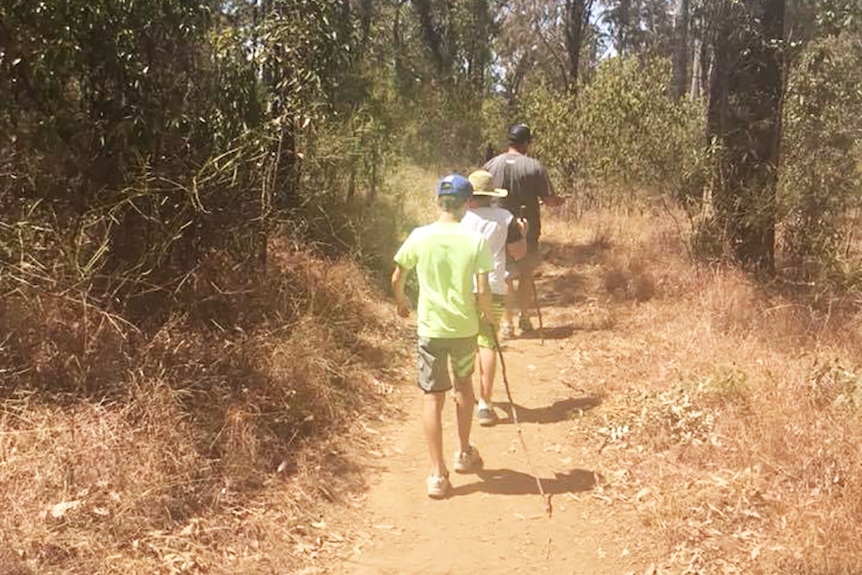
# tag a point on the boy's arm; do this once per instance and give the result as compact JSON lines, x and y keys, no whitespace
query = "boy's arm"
{"x":483,"y":289}
{"x":398,"y":275}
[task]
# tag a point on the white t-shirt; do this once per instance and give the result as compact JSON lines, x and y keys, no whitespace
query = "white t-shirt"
{"x":493,"y":223}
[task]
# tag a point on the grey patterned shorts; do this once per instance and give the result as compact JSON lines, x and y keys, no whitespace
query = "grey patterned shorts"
{"x":433,"y":361}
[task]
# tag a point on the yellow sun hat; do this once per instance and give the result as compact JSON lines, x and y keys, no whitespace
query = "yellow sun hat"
{"x":483,"y":185}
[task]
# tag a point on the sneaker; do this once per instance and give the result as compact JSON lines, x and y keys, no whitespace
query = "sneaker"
{"x":468,"y":461}
{"x":507,"y":331}
{"x":524,"y":324}
{"x":487,"y":416}
{"x":438,"y":486}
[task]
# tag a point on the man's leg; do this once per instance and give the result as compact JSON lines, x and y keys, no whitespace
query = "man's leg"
{"x":526,"y":288}
{"x":432,"y":413}
{"x":510,"y":302}
{"x":525,"y":293}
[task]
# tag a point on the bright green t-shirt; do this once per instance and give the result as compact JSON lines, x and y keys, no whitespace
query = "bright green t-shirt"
{"x":446,"y":256}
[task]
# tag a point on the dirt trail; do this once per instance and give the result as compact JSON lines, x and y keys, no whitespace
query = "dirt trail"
{"x":495,"y":521}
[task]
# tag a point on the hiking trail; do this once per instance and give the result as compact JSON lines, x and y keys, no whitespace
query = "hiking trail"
{"x":495,"y":522}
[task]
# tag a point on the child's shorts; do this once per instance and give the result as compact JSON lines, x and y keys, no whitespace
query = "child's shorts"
{"x":434,"y":354}
{"x":487,"y":333}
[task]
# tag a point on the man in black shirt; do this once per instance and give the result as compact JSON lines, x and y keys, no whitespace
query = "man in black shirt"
{"x":528,"y":185}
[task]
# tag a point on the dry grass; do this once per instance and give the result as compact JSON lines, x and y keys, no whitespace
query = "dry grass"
{"x":731,"y":412}
{"x":209,"y":446}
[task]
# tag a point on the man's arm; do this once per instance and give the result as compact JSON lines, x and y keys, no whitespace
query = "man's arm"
{"x":553,"y":201}
{"x":516,"y":238}
{"x":517,"y":250}
{"x":483,"y":289}
{"x":547,"y":195}
{"x":398,"y":276}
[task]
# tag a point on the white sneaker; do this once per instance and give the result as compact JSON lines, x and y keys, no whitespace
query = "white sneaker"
{"x":487,"y":416}
{"x":438,"y":486}
{"x":468,"y":461}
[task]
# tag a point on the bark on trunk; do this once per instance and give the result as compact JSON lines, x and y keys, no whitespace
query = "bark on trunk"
{"x":744,"y":119}
{"x":577,"y":18}
{"x":679,"y":79}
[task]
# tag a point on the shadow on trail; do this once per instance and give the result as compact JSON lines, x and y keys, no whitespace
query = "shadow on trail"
{"x":511,"y":482}
{"x":560,"y":410}
{"x":555,"y":332}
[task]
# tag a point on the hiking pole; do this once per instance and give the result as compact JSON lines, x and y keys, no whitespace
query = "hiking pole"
{"x":545,"y":497}
{"x":538,"y":311}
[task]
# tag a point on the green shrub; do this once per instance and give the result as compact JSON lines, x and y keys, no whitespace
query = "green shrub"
{"x":622,"y":134}
{"x":821,"y":175}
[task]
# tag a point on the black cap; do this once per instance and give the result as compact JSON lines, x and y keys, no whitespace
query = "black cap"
{"x":519,"y":134}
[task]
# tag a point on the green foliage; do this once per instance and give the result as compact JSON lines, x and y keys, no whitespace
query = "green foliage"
{"x":426,"y":67}
{"x":443,"y":128}
{"x":821,"y":183}
{"x":139,"y":137}
{"x":623,"y":132}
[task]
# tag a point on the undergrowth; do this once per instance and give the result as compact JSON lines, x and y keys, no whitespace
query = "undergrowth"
{"x":730,"y":409}
{"x":202,"y":437}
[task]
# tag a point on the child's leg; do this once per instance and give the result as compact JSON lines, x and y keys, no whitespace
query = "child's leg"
{"x":464,"y":401}
{"x":432,"y":412}
{"x":434,"y":381}
{"x":463,"y":353}
{"x":488,"y":365}
{"x":487,"y":342}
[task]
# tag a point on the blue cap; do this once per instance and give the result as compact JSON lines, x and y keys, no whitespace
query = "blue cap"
{"x":455,"y":185}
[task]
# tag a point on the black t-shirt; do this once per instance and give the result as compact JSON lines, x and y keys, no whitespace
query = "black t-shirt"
{"x":527,"y":181}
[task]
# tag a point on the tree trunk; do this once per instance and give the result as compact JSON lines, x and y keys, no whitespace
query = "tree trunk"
{"x":577,"y":18}
{"x":679,"y":79}
{"x":434,"y":37}
{"x":694,"y":86}
{"x":366,"y":13}
{"x":744,"y":121}
{"x":285,"y":192}
{"x":623,"y":23}
{"x":478,"y":52}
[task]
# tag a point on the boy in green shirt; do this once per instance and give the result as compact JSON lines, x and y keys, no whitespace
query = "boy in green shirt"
{"x":447,"y":257}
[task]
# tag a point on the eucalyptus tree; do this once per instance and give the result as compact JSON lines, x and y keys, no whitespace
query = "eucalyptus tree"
{"x":744,"y":125}
{"x":544,"y":41}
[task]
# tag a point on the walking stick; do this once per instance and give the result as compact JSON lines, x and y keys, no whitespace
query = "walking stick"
{"x":546,"y":498}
